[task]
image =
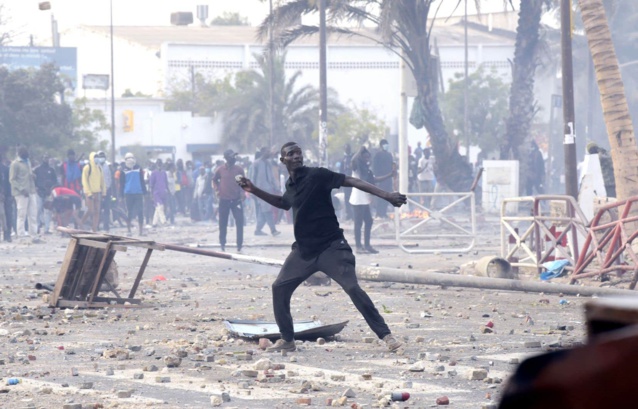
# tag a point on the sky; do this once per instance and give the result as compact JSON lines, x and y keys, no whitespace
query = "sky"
{"x":28,"y":20}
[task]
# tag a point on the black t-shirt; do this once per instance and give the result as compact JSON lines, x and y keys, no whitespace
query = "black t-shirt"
{"x":310,"y":198}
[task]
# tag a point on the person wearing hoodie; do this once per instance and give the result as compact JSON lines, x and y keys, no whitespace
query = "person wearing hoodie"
{"x":94,"y":188}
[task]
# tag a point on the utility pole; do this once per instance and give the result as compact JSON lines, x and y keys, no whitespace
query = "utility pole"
{"x":112,"y":90}
{"x":466,"y":90}
{"x":271,"y":79}
{"x":323,"y":91}
{"x":569,"y":141}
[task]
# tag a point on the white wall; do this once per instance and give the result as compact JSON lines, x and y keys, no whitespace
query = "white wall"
{"x":155,"y":127}
{"x":136,"y":67}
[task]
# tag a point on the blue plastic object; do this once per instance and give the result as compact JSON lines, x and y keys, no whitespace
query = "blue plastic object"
{"x":554,"y":269}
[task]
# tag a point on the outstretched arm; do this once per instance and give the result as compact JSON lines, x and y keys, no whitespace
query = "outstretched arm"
{"x":396,"y":199}
{"x":271,"y":199}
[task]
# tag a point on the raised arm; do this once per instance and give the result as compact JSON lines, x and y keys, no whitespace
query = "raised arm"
{"x":271,"y":199}
{"x":396,"y":199}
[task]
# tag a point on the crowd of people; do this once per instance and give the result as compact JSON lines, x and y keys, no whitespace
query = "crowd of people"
{"x":91,"y":194}
{"x":88,"y":192}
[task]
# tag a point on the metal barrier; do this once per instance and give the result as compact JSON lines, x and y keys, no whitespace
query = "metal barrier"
{"x":425,"y":223}
{"x":544,"y":236}
{"x":609,"y":242}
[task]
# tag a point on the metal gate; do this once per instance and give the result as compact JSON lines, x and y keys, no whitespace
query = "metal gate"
{"x":550,"y":230}
{"x":447,"y":228}
{"x":608,"y":243}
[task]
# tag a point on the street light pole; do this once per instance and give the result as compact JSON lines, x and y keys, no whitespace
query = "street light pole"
{"x":323,"y":91}
{"x":466,"y":87}
{"x":271,"y":77}
{"x":569,"y":141}
{"x":112,"y":89}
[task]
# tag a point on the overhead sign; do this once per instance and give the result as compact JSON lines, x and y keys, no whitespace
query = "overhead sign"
{"x":65,"y":58}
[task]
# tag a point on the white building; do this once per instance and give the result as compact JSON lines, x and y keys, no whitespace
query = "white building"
{"x":150,"y":60}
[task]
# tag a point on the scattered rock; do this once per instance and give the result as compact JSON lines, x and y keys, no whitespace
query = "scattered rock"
{"x":443,"y":400}
{"x":478,"y":374}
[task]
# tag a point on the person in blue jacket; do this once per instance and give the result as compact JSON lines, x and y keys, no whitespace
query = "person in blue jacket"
{"x":133,"y":191}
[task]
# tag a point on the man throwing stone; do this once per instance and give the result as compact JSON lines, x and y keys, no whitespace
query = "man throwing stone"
{"x":320,"y":244}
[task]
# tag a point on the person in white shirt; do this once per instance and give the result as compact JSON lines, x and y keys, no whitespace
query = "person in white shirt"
{"x":425,"y":175}
{"x":361,"y":200}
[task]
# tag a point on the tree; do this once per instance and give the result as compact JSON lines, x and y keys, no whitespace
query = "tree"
{"x":31,"y":111}
{"x":246,"y":110}
{"x":87,"y":124}
{"x":623,"y":22}
{"x":200,"y":95}
{"x":620,"y":129}
{"x":355,"y":126}
{"x":5,"y":33}
{"x":229,"y":19}
{"x":487,"y":104}
{"x":522,"y":108}
{"x":137,"y":94}
{"x":404,"y":28}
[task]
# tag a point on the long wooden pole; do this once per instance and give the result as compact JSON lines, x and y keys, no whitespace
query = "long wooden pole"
{"x":408,"y":276}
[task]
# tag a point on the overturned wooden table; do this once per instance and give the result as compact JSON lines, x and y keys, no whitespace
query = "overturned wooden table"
{"x":88,"y":259}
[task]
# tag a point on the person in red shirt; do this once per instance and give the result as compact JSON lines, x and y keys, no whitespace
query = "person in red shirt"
{"x":65,"y":204}
{"x":231,"y":197}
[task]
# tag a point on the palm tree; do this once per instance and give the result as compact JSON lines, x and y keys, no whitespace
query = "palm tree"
{"x":521,"y":105}
{"x":403,"y":27}
{"x":246,"y":112}
{"x":620,"y":129}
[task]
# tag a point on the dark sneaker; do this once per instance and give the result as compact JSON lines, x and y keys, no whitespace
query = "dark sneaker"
{"x":282,"y":345}
{"x":391,"y":342}
{"x":276,"y":233}
{"x":260,"y":233}
{"x":371,"y":250}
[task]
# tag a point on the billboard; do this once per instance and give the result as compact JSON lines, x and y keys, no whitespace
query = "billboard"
{"x":65,"y":58}
{"x":95,"y":81}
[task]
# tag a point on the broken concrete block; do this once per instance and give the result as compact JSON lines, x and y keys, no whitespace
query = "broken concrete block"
{"x":117,"y":353}
{"x":172,"y":361}
{"x":417,"y":367}
{"x":263,"y":364}
{"x":123,"y":394}
{"x":264,"y":343}
{"x":478,"y":374}
{"x":216,"y":401}
{"x":249,"y":373}
{"x":349,"y":393}
{"x":86,"y":385}
{"x":338,"y":378}
{"x":244,"y":357}
{"x":138,"y":375}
